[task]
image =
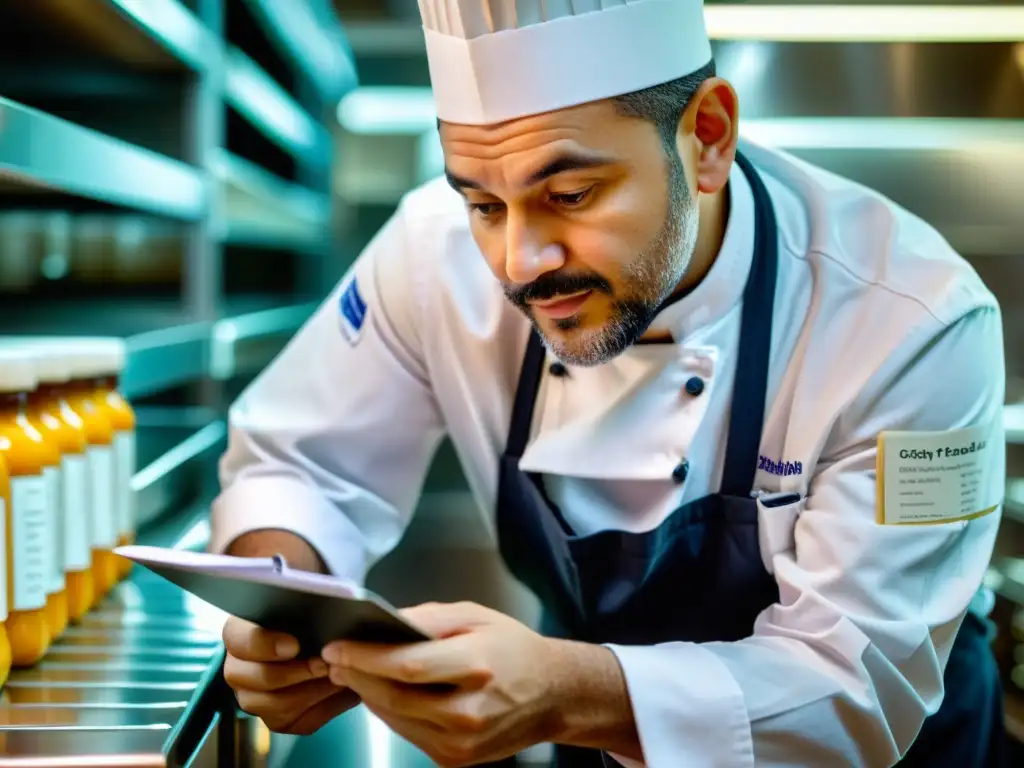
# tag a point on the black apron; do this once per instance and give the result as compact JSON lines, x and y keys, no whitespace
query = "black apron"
{"x":638,"y":588}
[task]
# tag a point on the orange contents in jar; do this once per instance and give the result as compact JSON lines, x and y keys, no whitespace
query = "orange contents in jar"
{"x":26,"y":455}
{"x":111,"y":356}
{"x":77,"y":501}
{"x":47,"y":426}
{"x":45,"y":413}
{"x":80,"y":396}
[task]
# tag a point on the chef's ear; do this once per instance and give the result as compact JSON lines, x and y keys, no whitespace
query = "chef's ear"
{"x":710,"y":126}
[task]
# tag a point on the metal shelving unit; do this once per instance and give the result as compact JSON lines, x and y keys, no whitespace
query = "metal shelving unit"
{"x":266,"y":210}
{"x":165,"y":178}
{"x":42,"y":152}
{"x":260,"y":184}
{"x":143,"y":33}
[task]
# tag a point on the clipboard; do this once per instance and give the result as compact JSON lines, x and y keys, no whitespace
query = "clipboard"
{"x":314,"y":608}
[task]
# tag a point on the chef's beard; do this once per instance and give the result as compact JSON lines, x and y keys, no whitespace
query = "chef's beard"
{"x":645,"y":284}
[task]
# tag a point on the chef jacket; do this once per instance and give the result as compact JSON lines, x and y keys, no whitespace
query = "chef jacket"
{"x":879,"y":326}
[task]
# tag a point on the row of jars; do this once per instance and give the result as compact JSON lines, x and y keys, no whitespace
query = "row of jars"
{"x":67,"y":456}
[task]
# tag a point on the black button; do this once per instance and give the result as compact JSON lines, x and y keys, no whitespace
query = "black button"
{"x":694,"y":385}
{"x":680,"y":472}
{"x":559,"y":370}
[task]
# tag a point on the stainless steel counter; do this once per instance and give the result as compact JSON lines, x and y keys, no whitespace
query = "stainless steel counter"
{"x":136,"y":683}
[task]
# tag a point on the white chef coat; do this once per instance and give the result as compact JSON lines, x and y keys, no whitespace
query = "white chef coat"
{"x":878,"y":325}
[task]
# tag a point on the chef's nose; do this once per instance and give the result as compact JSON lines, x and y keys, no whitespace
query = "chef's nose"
{"x":528,"y":254}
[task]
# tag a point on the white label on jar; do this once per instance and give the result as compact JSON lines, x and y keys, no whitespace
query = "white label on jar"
{"x":77,"y":504}
{"x":31,"y":538}
{"x":55,"y":525}
{"x":124,"y":451}
{"x":103,"y":531}
{"x":3,"y":564}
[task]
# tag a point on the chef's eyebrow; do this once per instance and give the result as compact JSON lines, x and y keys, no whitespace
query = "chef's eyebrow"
{"x":458,"y":183}
{"x":567,"y":161}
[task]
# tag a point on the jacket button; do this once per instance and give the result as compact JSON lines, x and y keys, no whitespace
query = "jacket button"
{"x":680,"y":472}
{"x":694,"y":386}
{"x":559,"y":370}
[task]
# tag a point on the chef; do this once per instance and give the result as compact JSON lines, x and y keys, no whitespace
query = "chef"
{"x":734,"y":420}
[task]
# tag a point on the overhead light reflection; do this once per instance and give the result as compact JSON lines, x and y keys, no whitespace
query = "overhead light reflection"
{"x":379,"y":737}
{"x":387,"y":110}
{"x":874,"y":23}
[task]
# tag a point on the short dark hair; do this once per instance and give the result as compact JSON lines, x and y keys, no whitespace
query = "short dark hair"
{"x":664,"y":104}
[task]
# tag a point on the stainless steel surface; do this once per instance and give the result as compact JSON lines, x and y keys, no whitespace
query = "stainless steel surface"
{"x":87,"y":716}
{"x":140,"y":638}
{"x":782,"y":23}
{"x":134,"y":618}
{"x":58,"y":747}
{"x":842,"y":22}
{"x":120,"y":696}
{"x":159,"y":360}
{"x":203,"y":274}
{"x":168,"y":481}
{"x":163,"y":359}
{"x":146,"y":33}
{"x":131,"y":684}
{"x":313,"y":40}
{"x":174,"y":27}
{"x":903,"y":79}
{"x":244,"y":345}
{"x":79,"y":653}
{"x":119,"y":699}
{"x":207,"y":756}
{"x":962,"y":176}
{"x":265,"y":104}
{"x":124,"y":669}
{"x":39,"y":151}
{"x":263,"y":210}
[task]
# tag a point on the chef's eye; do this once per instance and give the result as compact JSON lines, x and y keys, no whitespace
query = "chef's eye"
{"x":486,"y":210}
{"x":570,"y":199}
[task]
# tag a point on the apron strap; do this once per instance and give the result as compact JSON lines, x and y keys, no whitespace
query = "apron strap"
{"x":750,"y":387}
{"x":526,"y":397}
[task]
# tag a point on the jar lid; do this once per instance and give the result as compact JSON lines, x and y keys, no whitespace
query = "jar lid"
{"x":17,"y":370}
{"x":52,"y":364}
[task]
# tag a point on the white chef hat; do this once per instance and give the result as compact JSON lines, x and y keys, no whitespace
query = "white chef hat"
{"x":495,"y":60}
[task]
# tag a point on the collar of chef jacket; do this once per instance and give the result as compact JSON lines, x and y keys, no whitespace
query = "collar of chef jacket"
{"x":644,"y":384}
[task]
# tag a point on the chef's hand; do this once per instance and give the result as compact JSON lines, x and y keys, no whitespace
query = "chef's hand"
{"x":479,"y":692}
{"x":290,"y":695}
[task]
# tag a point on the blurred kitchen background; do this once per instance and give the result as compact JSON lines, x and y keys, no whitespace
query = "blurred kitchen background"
{"x":193,"y":176}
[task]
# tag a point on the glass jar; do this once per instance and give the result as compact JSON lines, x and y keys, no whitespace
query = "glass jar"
{"x":77,"y":555}
{"x":122,"y":418}
{"x":44,"y":413}
{"x":26,"y":455}
{"x":80,"y":396}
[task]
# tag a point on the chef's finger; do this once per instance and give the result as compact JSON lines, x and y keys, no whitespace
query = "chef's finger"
{"x":440,"y":620}
{"x":406,"y":701}
{"x":454,"y":660}
{"x":248,"y":642}
{"x":323,"y":712}
{"x":280,"y":709}
{"x":260,"y":676}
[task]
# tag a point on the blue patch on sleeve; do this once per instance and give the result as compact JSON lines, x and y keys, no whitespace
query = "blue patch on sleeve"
{"x":353,"y":310}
